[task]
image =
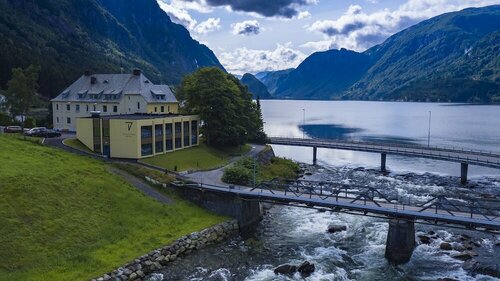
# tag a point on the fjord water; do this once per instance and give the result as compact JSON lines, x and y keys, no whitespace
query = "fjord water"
{"x":292,"y":235}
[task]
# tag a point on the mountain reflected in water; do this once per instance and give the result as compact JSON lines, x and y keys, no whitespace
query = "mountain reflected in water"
{"x":339,"y":132}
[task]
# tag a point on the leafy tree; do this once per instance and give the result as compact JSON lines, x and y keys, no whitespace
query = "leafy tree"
{"x":229,"y":115}
{"x":21,"y":92}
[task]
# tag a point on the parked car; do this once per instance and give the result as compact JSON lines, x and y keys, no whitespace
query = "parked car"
{"x":36,"y":132}
{"x":12,"y":129}
{"x":52,"y":134}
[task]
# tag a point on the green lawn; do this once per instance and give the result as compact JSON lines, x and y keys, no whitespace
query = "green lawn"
{"x":64,"y":217}
{"x":200,"y":157}
{"x":76,"y":144}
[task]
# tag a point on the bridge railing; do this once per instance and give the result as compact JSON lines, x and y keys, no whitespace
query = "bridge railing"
{"x":364,"y":195}
{"x":394,"y":144}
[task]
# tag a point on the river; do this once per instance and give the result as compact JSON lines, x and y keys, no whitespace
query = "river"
{"x":292,"y":235}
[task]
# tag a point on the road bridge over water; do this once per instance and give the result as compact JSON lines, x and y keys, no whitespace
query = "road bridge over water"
{"x":470,"y":213}
{"x":465,"y":157}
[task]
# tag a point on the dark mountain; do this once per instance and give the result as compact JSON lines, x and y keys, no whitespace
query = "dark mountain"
{"x":324,"y":75}
{"x":66,"y":37}
{"x":451,"y":57}
{"x":273,"y":78}
{"x":257,"y":88}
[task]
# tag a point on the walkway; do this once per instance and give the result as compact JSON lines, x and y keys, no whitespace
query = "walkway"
{"x":214,"y":177}
{"x":473,"y":157}
{"x":141,"y":185}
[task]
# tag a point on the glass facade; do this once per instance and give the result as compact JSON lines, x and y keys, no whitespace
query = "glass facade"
{"x":178,"y":135}
{"x":186,"y":133}
{"x":194,"y":132}
{"x":159,"y":138}
{"x":146,"y":140}
{"x":169,"y":137}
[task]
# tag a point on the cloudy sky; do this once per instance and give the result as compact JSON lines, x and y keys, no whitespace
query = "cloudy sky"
{"x":260,"y":35}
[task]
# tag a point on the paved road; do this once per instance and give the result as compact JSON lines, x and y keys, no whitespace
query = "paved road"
{"x":480,"y":158}
{"x":213,"y":177}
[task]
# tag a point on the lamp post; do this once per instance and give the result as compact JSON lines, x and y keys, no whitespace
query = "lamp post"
{"x":429,"y":131}
{"x":303,"y":122}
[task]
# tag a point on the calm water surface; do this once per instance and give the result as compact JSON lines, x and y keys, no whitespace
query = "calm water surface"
{"x":292,"y":235}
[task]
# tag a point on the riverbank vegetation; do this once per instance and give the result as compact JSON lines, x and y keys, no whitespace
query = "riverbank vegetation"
{"x":202,"y":157}
{"x":242,"y":172}
{"x":230,"y":116}
{"x":64,"y":217}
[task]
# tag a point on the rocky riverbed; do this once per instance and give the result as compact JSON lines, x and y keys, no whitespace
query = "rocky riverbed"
{"x":349,"y":247}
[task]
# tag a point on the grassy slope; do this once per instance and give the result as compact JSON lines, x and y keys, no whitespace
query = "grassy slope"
{"x":63,"y":217}
{"x":196,"y":158}
{"x":75,"y":143}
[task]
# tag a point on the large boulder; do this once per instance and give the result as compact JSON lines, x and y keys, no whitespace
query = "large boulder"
{"x":424,"y":239}
{"x":333,"y":228}
{"x":306,"y":269}
{"x":285,"y":269}
{"x":445,"y":246}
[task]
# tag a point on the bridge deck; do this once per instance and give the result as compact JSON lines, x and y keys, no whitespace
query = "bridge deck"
{"x":490,"y":222}
{"x":479,"y":158}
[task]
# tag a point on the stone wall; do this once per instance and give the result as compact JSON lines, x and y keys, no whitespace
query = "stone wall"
{"x":153,"y":261}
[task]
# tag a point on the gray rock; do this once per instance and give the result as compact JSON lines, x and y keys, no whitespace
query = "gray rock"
{"x":424,"y":239}
{"x":286,"y":269}
{"x":306,"y":269}
{"x":332,"y":228}
{"x":445,"y":246}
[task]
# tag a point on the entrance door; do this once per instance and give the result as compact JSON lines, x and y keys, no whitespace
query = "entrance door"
{"x":106,"y":150}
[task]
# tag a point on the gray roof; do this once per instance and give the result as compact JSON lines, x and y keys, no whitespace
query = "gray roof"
{"x":112,"y":88}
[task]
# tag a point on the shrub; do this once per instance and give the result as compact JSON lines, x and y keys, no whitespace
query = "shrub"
{"x":237,"y":175}
{"x":30,"y":122}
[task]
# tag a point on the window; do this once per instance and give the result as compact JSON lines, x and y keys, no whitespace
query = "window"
{"x":115,"y":108}
{"x":77,"y":107}
{"x":178,"y":135}
{"x":57,"y":118}
{"x":68,"y":120}
{"x":138,"y":105}
{"x":168,"y":136}
{"x":104,"y":108}
{"x":186,"y":134}
{"x":94,"y":108}
{"x":57,"y":106}
{"x":168,"y":108}
{"x":68,"y":107}
{"x":162,"y":108}
{"x":87,"y":107}
{"x":194,"y":132}
{"x":146,"y":140}
{"x":156,"y":109}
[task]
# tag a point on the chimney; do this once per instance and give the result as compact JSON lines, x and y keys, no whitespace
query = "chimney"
{"x":87,"y":73}
{"x":136,"y":72}
{"x":93,"y":80}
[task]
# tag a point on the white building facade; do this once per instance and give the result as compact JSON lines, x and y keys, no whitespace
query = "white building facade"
{"x":111,"y":94}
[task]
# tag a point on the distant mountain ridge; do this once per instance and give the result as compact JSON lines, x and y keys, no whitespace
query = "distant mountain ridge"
{"x":66,"y":37}
{"x":255,"y":86}
{"x":452,"y":57}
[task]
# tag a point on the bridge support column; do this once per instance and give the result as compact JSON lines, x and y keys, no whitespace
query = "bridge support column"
{"x":400,"y":241}
{"x":315,"y":154}
{"x":464,"y":167}
{"x":383,"y":158}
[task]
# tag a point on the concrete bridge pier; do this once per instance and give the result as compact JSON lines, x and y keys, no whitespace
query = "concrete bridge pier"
{"x":315,"y":154}
{"x":400,"y":241}
{"x":464,"y":167}
{"x":383,"y":159}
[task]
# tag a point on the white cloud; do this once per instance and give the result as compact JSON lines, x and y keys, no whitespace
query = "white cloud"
{"x":178,"y":13}
{"x":248,"y":27}
{"x":358,"y":30}
{"x":303,"y":15}
{"x":210,"y":25}
{"x":322,"y":45}
{"x":244,"y":60}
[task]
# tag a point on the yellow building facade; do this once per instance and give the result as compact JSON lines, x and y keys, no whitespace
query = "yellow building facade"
{"x":136,"y":136}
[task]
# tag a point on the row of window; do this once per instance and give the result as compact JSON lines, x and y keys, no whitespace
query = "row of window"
{"x":181,"y":140}
{"x":87,"y":107}
{"x":60,"y":120}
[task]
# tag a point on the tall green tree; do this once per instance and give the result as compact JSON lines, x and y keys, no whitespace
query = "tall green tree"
{"x":21,"y":91}
{"x":229,"y":115}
